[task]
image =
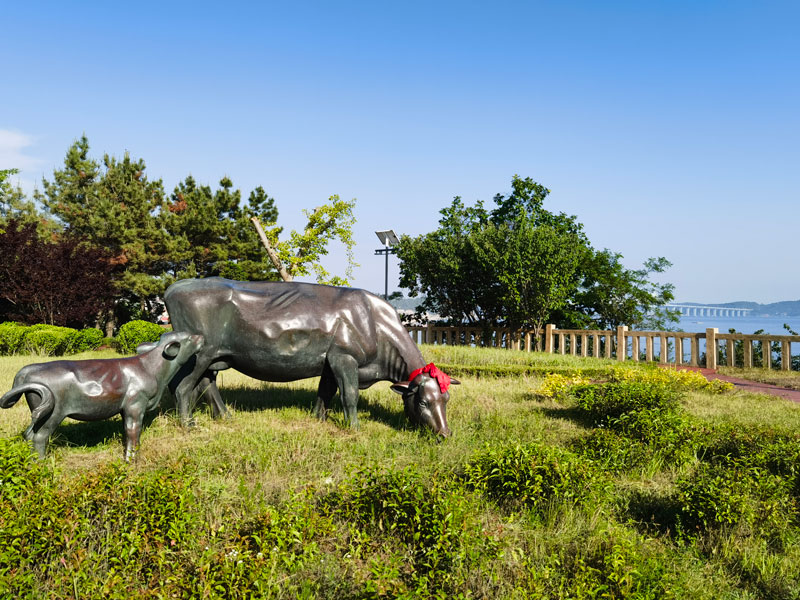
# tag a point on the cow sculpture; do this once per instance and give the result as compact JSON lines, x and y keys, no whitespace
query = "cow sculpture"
{"x":284,"y":331}
{"x":93,"y":390}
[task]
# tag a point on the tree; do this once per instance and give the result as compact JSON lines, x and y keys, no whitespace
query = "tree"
{"x":509,"y":266}
{"x":302,"y":253}
{"x":113,"y":207}
{"x":611,"y":295}
{"x":14,"y":205}
{"x":520,"y":265}
{"x":210,"y":233}
{"x":59,"y":282}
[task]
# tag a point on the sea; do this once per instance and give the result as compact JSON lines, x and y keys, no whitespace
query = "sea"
{"x":749,"y":324}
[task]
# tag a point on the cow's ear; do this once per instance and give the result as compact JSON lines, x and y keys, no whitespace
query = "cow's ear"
{"x":455,"y":381}
{"x":171,"y":349}
{"x":401,"y":387}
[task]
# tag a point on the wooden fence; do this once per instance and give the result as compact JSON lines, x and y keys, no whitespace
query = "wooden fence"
{"x":666,"y":347}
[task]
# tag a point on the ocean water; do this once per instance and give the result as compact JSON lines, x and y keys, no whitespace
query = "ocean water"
{"x":747,"y":325}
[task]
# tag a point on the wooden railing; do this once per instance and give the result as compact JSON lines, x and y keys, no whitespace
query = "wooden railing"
{"x":667,"y":347}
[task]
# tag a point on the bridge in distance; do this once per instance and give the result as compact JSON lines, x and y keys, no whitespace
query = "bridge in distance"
{"x":704,"y":310}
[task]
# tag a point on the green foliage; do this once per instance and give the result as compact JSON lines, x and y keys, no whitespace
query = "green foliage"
{"x":210,"y":232}
{"x":750,"y":500}
{"x":433,"y":519}
{"x":11,"y":337}
{"x":520,"y":265}
{"x":610,"y":295}
{"x":301,"y":254}
{"x":532,"y":475}
{"x":511,"y":265}
{"x":616,"y":565}
{"x":87,"y":339}
{"x":612,"y":400}
{"x":46,"y":340}
{"x":137,"y":332}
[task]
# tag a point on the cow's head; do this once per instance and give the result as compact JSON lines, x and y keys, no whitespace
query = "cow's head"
{"x":425,"y":398}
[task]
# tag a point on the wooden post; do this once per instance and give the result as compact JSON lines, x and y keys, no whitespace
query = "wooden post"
{"x":730,"y":347}
{"x":622,"y":343}
{"x":748,"y":353}
{"x":635,"y":348}
{"x":766,"y":354}
{"x":711,"y":347}
{"x":548,"y":338}
{"x":678,"y":350}
{"x":695,"y":352}
{"x":663,"y":350}
{"x":786,"y":356}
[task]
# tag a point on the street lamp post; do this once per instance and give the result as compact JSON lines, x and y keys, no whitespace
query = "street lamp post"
{"x":388,"y":238}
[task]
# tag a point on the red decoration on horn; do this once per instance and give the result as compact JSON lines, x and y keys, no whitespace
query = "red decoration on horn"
{"x":442,"y":378}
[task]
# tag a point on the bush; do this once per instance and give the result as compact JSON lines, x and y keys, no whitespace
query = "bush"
{"x":611,"y":451}
{"x":688,"y":380}
{"x":49,"y":340}
{"x":612,"y":400}
{"x":11,"y":336}
{"x":749,"y":500}
{"x":533,"y":475}
{"x":134,"y":333}
{"x":435,"y":520}
{"x":87,"y":339}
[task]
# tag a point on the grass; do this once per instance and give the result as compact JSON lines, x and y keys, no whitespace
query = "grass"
{"x":273,"y":503}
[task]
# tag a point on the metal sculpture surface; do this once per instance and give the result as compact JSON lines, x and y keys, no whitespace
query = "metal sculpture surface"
{"x":284,"y":331}
{"x":93,"y":390}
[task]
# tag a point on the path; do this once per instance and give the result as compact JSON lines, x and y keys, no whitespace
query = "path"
{"x":747,"y":385}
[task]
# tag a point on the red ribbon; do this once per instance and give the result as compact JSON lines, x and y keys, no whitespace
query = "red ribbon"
{"x":442,"y":378}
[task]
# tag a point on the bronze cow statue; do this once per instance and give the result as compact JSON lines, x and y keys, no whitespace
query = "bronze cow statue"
{"x":285,"y":331}
{"x":93,"y":390}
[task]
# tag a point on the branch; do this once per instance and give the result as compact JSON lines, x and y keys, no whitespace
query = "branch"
{"x":272,"y":254}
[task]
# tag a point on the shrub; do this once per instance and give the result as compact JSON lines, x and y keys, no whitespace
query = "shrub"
{"x":533,"y":475}
{"x":435,"y":520}
{"x":49,"y":340}
{"x":612,"y":400}
{"x":611,"y":451}
{"x":556,"y":385}
{"x":688,"y":380}
{"x":11,"y":336}
{"x":748,"y":499}
{"x":87,"y":339}
{"x":134,"y":333}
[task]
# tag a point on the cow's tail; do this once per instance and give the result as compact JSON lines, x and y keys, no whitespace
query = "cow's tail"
{"x":40,"y":407}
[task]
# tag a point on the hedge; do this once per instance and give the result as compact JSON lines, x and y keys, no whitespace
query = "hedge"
{"x":46,"y":340}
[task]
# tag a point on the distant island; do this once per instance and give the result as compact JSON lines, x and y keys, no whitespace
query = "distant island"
{"x":787,"y":308}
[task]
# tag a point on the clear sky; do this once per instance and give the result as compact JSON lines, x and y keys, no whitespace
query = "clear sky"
{"x":669,"y":128}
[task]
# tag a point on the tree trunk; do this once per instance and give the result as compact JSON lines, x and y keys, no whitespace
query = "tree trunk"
{"x":273,"y":256}
{"x":111,"y":323}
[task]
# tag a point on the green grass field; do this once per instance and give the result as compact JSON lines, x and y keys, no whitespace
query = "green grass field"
{"x":527,"y":499}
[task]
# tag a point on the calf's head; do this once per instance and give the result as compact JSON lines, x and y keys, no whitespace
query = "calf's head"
{"x":175,"y":345}
{"x":425,"y":398}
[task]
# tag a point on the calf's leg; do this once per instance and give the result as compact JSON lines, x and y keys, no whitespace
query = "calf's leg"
{"x":133,"y":417}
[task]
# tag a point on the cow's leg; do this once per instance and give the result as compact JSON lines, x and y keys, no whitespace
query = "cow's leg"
{"x":132,"y":418}
{"x":208,"y":389}
{"x":187,"y":390}
{"x":326,"y":390}
{"x":345,"y":370}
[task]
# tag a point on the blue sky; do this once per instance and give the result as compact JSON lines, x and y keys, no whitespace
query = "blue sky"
{"x":669,"y":128}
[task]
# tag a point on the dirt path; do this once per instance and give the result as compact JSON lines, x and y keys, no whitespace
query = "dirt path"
{"x":747,"y":385}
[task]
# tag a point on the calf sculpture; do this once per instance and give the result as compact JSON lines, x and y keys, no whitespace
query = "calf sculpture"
{"x":92,"y":390}
{"x":284,"y":331}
